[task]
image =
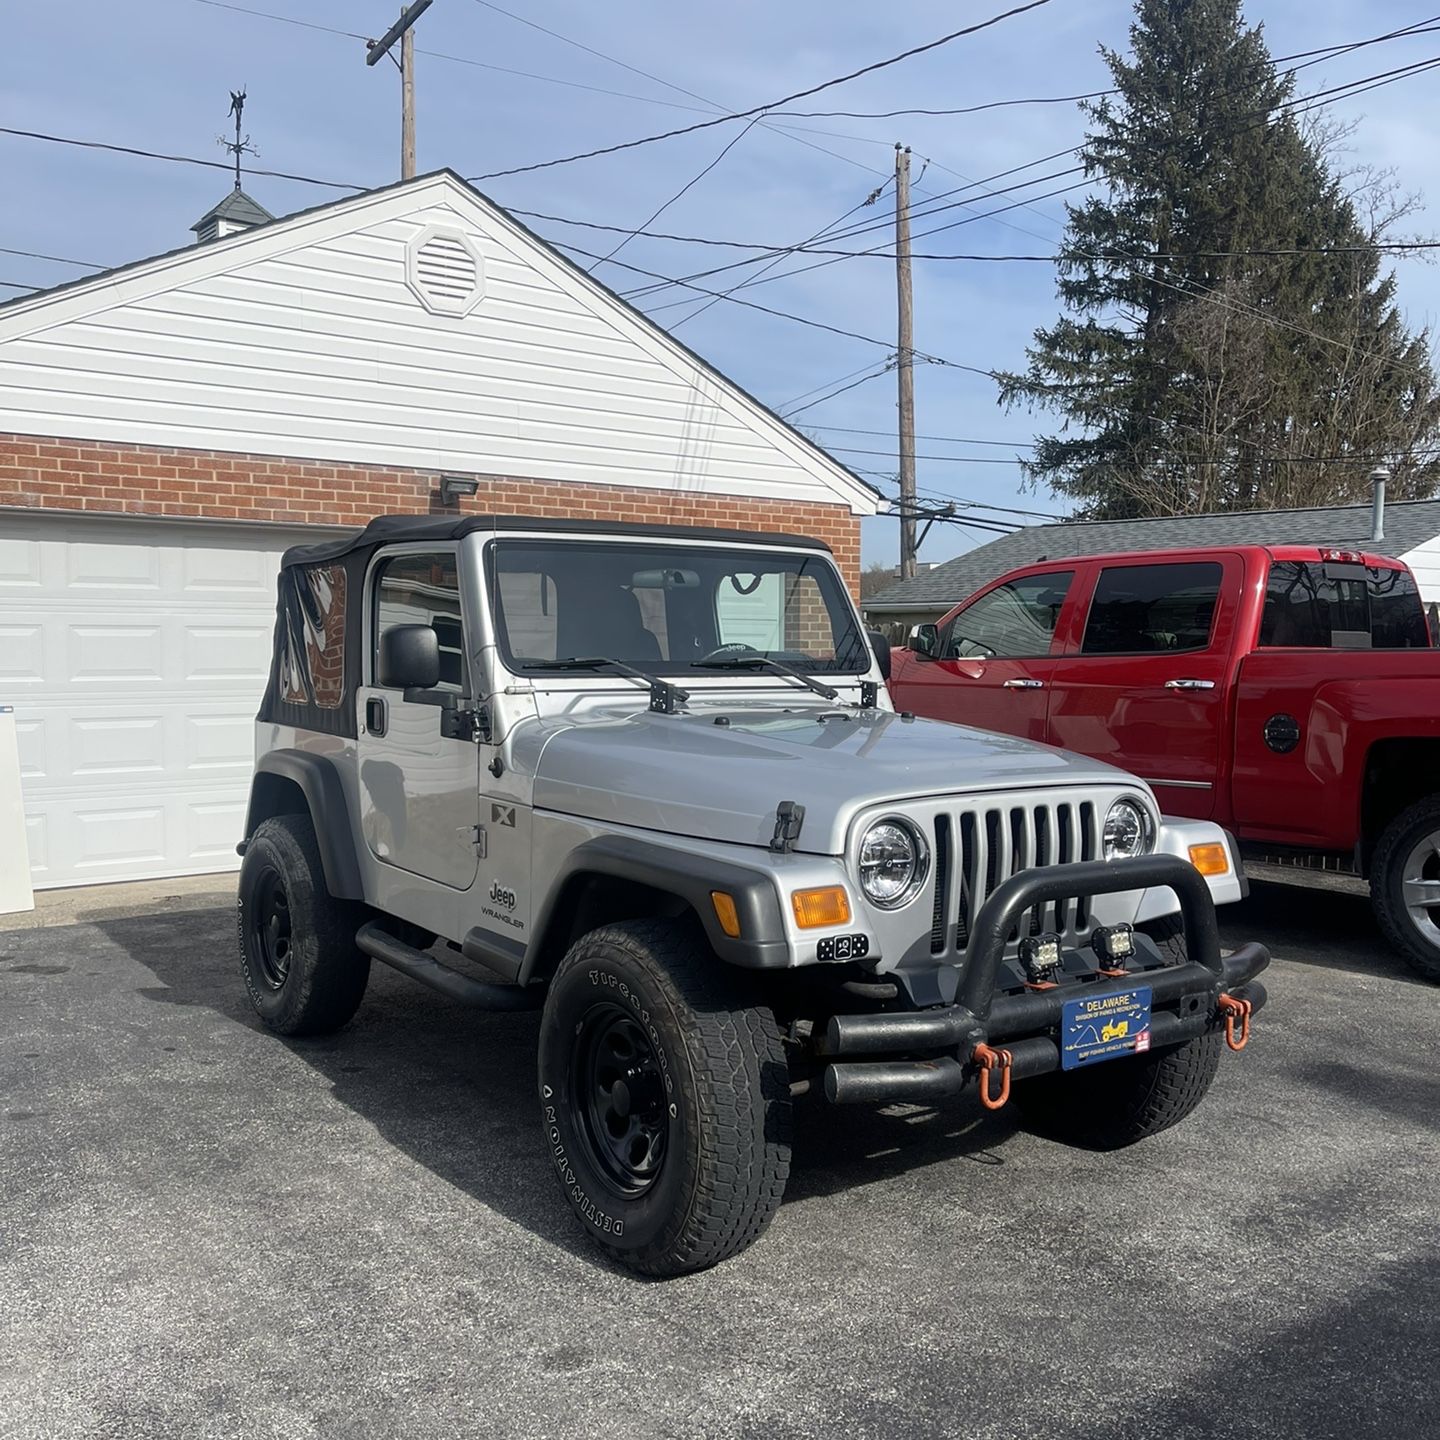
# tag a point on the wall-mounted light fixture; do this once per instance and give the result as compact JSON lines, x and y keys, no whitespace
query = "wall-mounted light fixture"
{"x":452,"y":487}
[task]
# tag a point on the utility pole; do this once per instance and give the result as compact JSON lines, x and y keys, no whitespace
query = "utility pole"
{"x":403,"y":31}
{"x":904,"y":366}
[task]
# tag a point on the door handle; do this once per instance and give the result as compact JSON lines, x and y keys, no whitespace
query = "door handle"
{"x":375,"y":715}
{"x":1023,"y":684}
{"x":1189,"y":684}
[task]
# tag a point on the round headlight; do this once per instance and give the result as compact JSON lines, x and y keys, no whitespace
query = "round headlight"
{"x":893,"y":862}
{"x":1129,"y":830}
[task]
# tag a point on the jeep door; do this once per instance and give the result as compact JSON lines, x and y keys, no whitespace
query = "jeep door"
{"x":418,"y":797}
{"x":993,"y":662}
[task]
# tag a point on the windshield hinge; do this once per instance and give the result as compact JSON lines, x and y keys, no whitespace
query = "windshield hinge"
{"x":789,"y":817}
{"x":869,"y":694}
{"x":665,"y":698}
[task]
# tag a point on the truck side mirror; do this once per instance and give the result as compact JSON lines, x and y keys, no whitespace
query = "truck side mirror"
{"x":925,"y":640}
{"x":409,"y":658}
{"x":880,"y":644}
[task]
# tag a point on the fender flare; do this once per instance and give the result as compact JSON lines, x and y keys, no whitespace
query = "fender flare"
{"x":319,"y":782}
{"x":762,"y":943}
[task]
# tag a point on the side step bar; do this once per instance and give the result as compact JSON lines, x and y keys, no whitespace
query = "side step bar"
{"x":418,"y":965}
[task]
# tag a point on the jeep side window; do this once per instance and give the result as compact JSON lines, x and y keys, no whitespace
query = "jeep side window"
{"x":1139,"y":609}
{"x":424,"y":590}
{"x":1014,"y":621}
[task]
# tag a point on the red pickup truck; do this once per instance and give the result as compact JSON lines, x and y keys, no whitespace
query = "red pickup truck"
{"x":1287,"y":692}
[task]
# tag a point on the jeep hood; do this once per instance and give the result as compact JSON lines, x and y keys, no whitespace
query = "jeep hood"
{"x":719,"y":774}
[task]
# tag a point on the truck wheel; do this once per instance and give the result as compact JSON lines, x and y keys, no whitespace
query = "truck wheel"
{"x":1405,"y":885}
{"x":297,"y":942}
{"x":665,"y":1098}
{"x":1168,"y":933}
{"x":1117,"y":1102}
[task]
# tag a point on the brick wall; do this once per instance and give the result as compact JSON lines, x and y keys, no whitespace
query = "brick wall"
{"x":101,"y":476}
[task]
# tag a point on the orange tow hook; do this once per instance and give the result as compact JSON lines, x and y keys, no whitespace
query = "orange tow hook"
{"x":988,"y":1060}
{"x":1236,"y":1010}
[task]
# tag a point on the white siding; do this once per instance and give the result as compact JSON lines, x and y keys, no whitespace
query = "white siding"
{"x":1424,"y":560}
{"x":304,"y":339}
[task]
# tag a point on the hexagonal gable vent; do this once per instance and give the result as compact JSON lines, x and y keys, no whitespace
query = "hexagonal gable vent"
{"x":445,"y":271}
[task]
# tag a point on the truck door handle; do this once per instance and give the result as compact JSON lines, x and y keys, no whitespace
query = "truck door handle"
{"x":375,"y":715}
{"x":1189,"y":684}
{"x":1024,"y":684}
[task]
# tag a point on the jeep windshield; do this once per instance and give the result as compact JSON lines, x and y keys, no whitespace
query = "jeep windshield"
{"x":660,"y":608}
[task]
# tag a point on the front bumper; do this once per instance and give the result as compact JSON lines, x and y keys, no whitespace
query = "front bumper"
{"x":926,"y":1054}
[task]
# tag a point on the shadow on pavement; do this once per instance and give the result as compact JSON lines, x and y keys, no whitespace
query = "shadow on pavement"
{"x":1315,"y":927}
{"x":454,"y":1088}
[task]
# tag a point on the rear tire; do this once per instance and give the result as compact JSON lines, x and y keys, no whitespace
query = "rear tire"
{"x":1117,"y":1102}
{"x":297,"y":942}
{"x":1407,"y":857}
{"x":665,"y":1098}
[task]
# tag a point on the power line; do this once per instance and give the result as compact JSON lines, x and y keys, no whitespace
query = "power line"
{"x":687,"y":186}
{"x":57,"y":259}
{"x":810,"y":404}
{"x":1327,"y":52}
{"x":173,"y":159}
{"x":772,"y":104}
{"x":946,"y":439}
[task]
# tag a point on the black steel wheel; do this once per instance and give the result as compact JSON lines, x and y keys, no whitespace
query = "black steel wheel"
{"x":665,"y":1097}
{"x":619,"y":1099}
{"x":297,"y":941}
{"x":269,"y":917}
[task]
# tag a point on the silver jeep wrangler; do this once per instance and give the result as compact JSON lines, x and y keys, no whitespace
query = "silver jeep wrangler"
{"x":649,"y":780}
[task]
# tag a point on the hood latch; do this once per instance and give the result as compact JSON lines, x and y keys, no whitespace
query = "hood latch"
{"x":789,"y":817}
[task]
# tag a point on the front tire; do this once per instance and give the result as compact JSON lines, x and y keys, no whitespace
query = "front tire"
{"x":1117,"y":1102}
{"x":665,"y":1098}
{"x":1405,"y":885}
{"x":297,"y":942}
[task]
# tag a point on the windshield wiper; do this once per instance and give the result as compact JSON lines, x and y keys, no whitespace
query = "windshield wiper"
{"x":755,"y":658}
{"x":664,"y":697}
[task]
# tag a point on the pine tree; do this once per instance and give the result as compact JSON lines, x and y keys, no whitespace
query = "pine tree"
{"x":1208,"y":379}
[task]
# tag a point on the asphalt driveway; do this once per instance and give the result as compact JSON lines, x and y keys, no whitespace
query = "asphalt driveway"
{"x":207,"y":1231}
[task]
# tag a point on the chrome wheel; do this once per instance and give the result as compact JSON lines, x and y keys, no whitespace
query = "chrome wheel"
{"x":1420,"y":886}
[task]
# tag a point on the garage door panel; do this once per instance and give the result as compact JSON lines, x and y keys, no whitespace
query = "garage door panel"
{"x":22,"y":655}
{"x":135,"y":654}
{"x":219,"y":743}
{"x":32,"y":737}
{"x":236,"y":653}
{"x":91,"y":566}
{"x":114,"y":747}
{"x":117,"y":838}
{"x":115,"y":654}
{"x":211,"y":830}
{"x":37,"y":840}
{"x":19,"y":565}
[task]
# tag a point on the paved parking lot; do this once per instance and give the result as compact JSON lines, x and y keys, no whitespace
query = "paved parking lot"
{"x":206,"y":1231}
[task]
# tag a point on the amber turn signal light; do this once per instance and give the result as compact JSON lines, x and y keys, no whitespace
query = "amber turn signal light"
{"x":816,"y":908}
{"x":1210,"y":859}
{"x":726,"y":913}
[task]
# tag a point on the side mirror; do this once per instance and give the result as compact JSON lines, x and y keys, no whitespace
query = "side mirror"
{"x":881,"y":646}
{"x":925,"y":640}
{"x":409,"y":658}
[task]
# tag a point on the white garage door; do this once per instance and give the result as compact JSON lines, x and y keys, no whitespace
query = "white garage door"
{"x":135,"y":653}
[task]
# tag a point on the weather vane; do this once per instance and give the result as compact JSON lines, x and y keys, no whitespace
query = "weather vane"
{"x":237,"y":147}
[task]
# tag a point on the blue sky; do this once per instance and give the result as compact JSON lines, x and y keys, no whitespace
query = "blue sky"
{"x":155,"y":74}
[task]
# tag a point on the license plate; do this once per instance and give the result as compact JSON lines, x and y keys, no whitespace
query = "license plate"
{"x":1104,"y":1027}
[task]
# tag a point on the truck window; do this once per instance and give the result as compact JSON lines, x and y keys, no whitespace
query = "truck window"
{"x":1312,"y":605}
{"x":424,"y":590}
{"x":1138,"y":609}
{"x":1014,"y":621}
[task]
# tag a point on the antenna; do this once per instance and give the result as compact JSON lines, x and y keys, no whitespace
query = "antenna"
{"x":237,"y":147}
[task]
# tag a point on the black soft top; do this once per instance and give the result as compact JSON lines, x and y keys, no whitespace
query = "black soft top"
{"x":392,"y":529}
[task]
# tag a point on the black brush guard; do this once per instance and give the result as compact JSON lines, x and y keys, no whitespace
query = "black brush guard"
{"x":1185,"y":999}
